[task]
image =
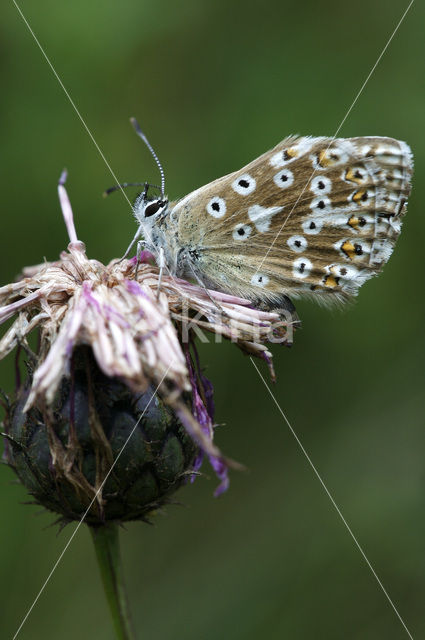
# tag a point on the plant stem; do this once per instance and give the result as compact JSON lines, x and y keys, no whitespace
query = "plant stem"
{"x":106,"y":543}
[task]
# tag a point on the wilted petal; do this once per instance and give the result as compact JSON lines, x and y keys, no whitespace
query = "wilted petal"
{"x":131,"y":331}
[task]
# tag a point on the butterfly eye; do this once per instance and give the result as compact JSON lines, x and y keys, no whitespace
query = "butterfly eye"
{"x":153,"y":208}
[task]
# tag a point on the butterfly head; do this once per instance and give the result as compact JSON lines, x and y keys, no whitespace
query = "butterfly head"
{"x":150,"y":214}
{"x":149,"y":210}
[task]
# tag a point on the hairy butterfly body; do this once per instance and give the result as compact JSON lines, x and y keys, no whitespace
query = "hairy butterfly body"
{"x":314,"y":216}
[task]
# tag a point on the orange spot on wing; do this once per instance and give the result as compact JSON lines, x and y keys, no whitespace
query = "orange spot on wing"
{"x":349,"y":249}
{"x":330,"y":281}
{"x":359,"y":195}
{"x":353,"y":175}
{"x":324,"y":159}
{"x":354,"y":222}
{"x":290,"y":153}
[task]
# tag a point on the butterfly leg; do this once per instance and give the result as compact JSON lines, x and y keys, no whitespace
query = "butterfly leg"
{"x":288,"y":317}
{"x":132,"y":243}
{"x":161,"y":264}
{"x":140,"y":245}
{"x":202,"y":285}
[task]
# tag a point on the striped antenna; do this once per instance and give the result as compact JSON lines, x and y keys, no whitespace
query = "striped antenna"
{"x":149,"y":146}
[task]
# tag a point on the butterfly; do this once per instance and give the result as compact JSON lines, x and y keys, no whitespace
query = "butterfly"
{"x":313,"y":217}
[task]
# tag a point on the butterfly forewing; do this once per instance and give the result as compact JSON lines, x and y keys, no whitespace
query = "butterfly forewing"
{"x":313,"y":216}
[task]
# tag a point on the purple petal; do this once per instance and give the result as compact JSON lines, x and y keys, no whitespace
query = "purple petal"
{"x":204,"y":416}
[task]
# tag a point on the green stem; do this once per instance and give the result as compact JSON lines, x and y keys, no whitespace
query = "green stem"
{"x":106,"y":543}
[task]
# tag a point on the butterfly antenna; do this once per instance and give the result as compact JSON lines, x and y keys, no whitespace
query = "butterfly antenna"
{"x":123,"y":185}
{"x":149,"y":146}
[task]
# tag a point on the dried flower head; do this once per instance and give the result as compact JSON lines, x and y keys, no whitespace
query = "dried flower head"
{"x":124,"y":332}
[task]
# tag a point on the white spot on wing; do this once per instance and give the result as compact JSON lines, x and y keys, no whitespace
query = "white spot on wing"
{"x":297,"y":243}
{"x":244,"y":184}
{"x":242,"y":232}
{"x":260,"y":279}
{"x":262,"y":216}
{"x":321,"y":205}
{"x":283,"y":179}
{"x":320,"y":185}
{"x":301,"y":267}
{"x":277,"y":160}
{"x":216,"y":207}
{"x":312,"y":226}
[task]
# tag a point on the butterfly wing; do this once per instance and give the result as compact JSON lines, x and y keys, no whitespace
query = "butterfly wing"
{"x":313,"y":216}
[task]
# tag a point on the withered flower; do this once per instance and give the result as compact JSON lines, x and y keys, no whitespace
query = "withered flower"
{"x":114,"y":414}
{"x":116,"y":358}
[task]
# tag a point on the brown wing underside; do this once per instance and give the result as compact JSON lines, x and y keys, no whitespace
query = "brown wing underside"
{"x":312,"y":216}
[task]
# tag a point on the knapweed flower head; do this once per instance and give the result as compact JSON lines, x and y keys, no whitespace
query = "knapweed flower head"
{"x":115,"y":413}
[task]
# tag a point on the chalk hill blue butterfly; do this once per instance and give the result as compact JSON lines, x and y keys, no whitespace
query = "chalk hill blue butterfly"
{"x":314,"y":217}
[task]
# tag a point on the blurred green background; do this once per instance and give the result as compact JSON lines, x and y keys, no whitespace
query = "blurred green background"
{"x":214,"y":84}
